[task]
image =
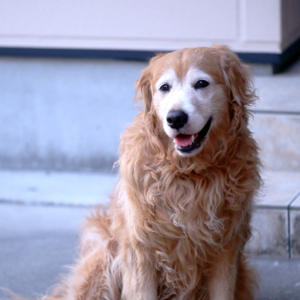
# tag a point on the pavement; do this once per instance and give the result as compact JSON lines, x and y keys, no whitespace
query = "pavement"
{"x":40,"y":214}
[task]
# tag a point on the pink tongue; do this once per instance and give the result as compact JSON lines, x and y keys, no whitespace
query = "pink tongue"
{"x":183,"y":140}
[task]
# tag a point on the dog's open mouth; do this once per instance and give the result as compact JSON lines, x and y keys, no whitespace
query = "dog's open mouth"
{"x":187,"y":143}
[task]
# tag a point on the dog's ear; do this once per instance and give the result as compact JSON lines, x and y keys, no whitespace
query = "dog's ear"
{"x":236,"y":76}
{"x":143,"y":85}
{"x":143,"y":88}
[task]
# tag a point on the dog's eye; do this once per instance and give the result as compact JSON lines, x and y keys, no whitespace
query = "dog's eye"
{"x":165,"y":87}
{"x":201,"y":84}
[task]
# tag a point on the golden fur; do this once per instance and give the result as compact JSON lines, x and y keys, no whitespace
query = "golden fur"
{"x":177,"y":226}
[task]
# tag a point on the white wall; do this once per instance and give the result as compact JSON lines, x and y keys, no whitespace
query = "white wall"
{"x":245,"y":25}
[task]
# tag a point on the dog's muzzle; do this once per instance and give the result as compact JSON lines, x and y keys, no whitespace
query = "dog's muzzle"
{"x":187,"y":143}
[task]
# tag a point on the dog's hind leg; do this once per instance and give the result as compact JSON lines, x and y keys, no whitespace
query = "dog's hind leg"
{"x":93,"y":278}
{"x":95,"y":275}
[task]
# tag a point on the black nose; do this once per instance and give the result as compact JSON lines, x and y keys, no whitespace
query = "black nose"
{"x":177,"y":119}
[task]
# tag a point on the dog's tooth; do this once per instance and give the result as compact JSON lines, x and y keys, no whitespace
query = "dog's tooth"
{"x":193,"y":138}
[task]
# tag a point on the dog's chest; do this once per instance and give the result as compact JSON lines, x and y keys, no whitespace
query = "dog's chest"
{"x":185,"y":217}
{"x":181,"y":265}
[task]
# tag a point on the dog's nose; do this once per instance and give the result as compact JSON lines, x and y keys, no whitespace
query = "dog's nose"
{"x":177,"y":119}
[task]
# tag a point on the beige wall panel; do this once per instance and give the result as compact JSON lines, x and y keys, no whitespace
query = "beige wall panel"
{"x":265,"y":26}
{"x":263,"y":21}
{"x":119,"y":20}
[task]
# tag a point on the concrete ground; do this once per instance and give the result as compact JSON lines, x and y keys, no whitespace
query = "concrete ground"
{"x":39,"y":237}
{"x":31,"y":261}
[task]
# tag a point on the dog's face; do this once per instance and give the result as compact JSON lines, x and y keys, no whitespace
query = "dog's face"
{"x":189,"y":91}
{"x":188,"y":106}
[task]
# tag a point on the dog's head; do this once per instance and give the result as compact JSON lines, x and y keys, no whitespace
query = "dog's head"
{"x":194,"y":92}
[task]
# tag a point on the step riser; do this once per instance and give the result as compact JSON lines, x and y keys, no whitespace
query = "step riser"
{"x":276,"y":233}
{"x":295,"y":232}
{"x":275,"y":222}
{"x":278,"y":137}
{"x":64,"y":114}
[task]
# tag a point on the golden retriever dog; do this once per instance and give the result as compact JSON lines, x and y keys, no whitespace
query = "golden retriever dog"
{"x":180,"y":214}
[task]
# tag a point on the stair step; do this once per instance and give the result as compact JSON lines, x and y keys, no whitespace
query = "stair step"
{"x":278,"y":93}
{"x":46,"y":131}
{"x":56,"y":188}
{"x":276,"y":123}
{"x":26,"y":195}
{"x":276,"y":214}
{"x":278,"y":137}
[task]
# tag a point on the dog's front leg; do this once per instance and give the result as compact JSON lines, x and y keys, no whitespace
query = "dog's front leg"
{"x":222,"y":280}
{"x":139,"y":275}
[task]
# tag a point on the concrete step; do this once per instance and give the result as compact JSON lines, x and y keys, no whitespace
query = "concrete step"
{"x":276,"y":219}
{"x":278,"y":137}
{"x":29,"y":199}
{"x":68,"y":114}
{"x":56,"y":188}
{"x":64,"y":114}
{"x":279,"y":93}
{"x":276,"y":122}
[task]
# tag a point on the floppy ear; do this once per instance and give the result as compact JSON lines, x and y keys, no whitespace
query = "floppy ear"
{"x":143,"y":89}
{"x":143,"y":84}
{"x":236,"y":77}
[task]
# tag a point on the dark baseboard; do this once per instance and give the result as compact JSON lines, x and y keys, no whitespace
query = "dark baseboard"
{"x":133,"y":55}
{"x":279,"y":61}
